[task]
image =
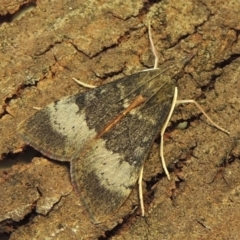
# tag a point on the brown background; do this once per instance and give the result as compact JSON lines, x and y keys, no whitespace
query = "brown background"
{"x":99,"y":41}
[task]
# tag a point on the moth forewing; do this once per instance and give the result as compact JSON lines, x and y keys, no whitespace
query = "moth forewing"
{"x":110,"y":165}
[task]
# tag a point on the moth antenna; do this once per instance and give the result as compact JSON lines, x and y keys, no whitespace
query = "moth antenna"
{"x":152,"y":46}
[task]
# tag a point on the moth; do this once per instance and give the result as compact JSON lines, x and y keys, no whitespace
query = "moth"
{"x":106,"y":134}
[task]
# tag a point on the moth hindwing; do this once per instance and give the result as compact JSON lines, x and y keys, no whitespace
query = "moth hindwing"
{"x":104,"y":138}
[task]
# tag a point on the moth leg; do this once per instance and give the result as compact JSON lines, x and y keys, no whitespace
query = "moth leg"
{"x":83,"y":84}
{"x":140,"y":192}
{"x":164,"y":129}
{"x":201,"y":109}
{"x":78,"y":82}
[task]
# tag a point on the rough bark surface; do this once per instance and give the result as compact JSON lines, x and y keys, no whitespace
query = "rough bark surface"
{"x":44,"y":44}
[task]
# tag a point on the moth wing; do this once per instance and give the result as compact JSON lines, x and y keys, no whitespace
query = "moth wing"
{"x":108,"y":167}
{"x":58,"y":130}
{"x":61,"y":129}
{"x":103,"y":170}
{"x":103,"y":181}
